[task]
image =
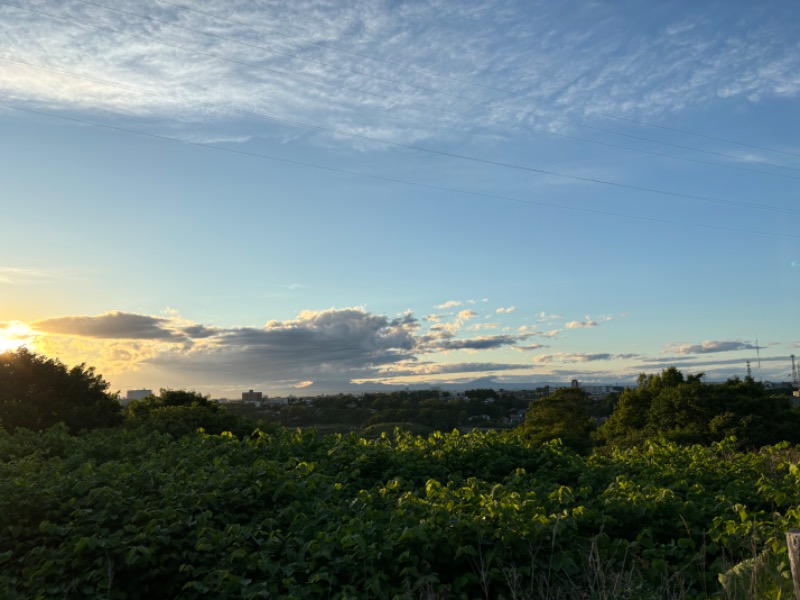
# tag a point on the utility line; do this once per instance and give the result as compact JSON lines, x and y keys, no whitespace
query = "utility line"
{"x":421,"y":105}
{"x":466,"y":81}
{"x":312,"y":126}
{"x":493,"y":105}
{"x":389,"y":179}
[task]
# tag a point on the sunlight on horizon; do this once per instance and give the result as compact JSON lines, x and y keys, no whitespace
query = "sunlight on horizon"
{"x":15,"y":335}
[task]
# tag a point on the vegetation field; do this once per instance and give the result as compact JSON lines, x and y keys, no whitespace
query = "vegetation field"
{"x":681,"y":493}
{"x":132,"y":513}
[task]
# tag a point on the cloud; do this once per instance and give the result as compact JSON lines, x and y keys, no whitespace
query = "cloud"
{"x":564,"y":357}
{"x":529,"y":348}
{"x":550,"y":334}
{"x":543,"y":316}
{"x":466,"y":315}
{"x":28,"y":276}
{"x":303,"y":384}
{"x":448,"y":304}
{"x":111,"y":325}
{"x":579,"y":324}
{"x":199,"y":331}
{"x":489,"y":342}
{"x":480,"y":326}
{"x":508,"y":310}
{"x":543,"y":60}
{"x":340,"y":344}
{"x":428,"y":368}
{"x":709,"y":347}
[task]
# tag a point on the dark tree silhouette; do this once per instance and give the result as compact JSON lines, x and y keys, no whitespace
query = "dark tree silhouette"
{"x":37,"y":392}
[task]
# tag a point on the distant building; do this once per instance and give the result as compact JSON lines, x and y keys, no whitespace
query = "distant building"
{"x":251,"y":396}
{"x":132,"y":395}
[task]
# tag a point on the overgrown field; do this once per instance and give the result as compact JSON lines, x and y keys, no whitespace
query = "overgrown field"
{"x":136,"y":514}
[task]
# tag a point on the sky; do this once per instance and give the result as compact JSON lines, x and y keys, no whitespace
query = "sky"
{"x":319,"y":196}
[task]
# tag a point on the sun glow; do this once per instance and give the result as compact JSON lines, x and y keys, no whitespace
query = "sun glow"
{"x":13,"y":335}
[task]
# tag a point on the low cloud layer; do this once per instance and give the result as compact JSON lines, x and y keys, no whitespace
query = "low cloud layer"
{"x":710,"y":347}
{"x":335,"y":349}
{"x":111,"y":325}
{"x":565,"y":357}
{"x":334,"y":345}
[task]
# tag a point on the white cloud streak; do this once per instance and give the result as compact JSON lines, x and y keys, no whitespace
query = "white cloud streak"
{"x":709,"y":347}
{"x":568,"y":59}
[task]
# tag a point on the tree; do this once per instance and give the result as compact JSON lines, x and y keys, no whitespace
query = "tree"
{"x":563,"y":415}
{"x":37,"y":392}
{"x":686,"y":410}
{"x":183,"y":412}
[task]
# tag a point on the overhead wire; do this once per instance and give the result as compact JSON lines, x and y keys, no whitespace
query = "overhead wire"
{"x":493,"y":105}
{"x":312,"y":126}
{"x":392,"y":98}
{"x":460,"y":80}
{"x":390,"y":179}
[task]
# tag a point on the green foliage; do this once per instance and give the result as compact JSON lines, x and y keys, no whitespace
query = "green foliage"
{"x":686,"y":410}
{"x":181,"y":412}
{"x":563,"y":415}
{"x":133,"y":514}
{"x":428,"y":409}
{"x":38,"y":392}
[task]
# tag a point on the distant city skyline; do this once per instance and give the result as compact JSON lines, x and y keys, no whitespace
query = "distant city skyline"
{"x":318,"y":197}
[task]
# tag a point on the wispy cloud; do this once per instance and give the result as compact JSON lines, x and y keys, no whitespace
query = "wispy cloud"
{"x":565,"y":357}
{"x":543,"y":58}
{"x":448,"y":304}
{"x":580,"y":324}
{"x":487,"y":342}
{"x":529,"y":348}
{"x":709,"y":347}
{"x":30,"y":276}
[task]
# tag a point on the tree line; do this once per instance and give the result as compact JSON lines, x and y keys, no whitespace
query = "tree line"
{"x":37,"y":392}
{"x":667,"y":406}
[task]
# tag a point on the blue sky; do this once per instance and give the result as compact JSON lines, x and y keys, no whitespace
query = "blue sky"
{"x":319,"y":196}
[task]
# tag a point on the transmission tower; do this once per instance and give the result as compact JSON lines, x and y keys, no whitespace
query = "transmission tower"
{"x":749,"y":371}
{"x":795,"y":374}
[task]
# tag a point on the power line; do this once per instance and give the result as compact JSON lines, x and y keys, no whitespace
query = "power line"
{"x":466,"y":81}
{"x":525,"y":112}
{"x":390,"y":179}
{"x":416,"y":104}
{"x":692,"y":133}
{"x":416,"y":148}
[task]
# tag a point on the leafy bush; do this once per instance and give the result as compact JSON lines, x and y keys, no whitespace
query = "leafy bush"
{"x":38,"y":392}
{"x":134,"y":513}
{"x":181,"y":412}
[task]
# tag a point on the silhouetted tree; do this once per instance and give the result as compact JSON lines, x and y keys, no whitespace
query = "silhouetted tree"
{"x":37,"y":392}
{"x":182,"y":412}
